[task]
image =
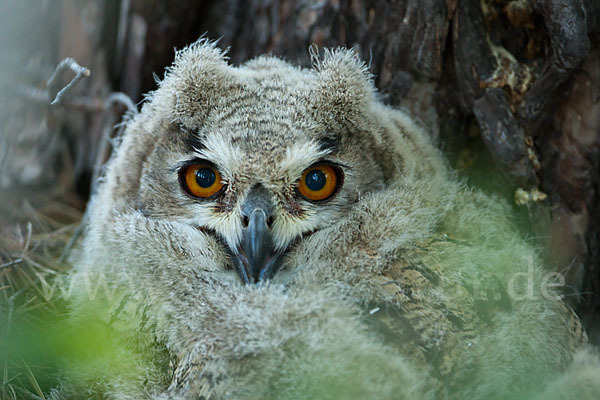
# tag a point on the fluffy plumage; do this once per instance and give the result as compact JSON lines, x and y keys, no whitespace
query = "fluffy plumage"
{"x":402,"y":285}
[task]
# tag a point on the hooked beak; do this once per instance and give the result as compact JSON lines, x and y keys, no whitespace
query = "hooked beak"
{"x":256,"y":259}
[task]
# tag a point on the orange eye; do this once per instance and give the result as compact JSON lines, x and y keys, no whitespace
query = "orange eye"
{"x":201,"y":180}
{"x":319,"y":182}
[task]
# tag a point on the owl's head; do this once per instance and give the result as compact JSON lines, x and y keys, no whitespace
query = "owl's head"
{"x":259,"y":156}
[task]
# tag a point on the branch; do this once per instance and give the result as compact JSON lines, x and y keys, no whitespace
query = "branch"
{"x":11,"y":263}
{"x":122,"y":98}
{"x":67,"y":63}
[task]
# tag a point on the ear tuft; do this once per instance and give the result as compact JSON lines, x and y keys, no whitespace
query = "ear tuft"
{"x":191,"y":84}
{"x":345,"y":87}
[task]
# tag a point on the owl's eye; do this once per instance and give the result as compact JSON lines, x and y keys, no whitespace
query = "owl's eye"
{"x":319,"y":182}
{"x":201,"y":179}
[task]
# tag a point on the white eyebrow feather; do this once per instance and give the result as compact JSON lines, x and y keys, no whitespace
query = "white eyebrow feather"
{"x":225,"y":155}
{"x":299,"y":156}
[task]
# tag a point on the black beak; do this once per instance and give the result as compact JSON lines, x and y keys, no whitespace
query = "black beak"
{"x":256,"y":259}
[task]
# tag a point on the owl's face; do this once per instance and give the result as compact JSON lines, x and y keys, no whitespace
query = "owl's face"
{"x":256,"y":157}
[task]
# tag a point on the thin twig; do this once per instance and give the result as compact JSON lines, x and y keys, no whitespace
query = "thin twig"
{"x":85,"y":103}
{"x":11,"y":263}
{"x":122,"y":98}
{"x":80,"y":73}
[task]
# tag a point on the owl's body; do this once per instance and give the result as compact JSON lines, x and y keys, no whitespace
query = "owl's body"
{"x":400,"y":284}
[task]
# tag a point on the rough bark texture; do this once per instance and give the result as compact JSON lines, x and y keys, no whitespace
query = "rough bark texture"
{"x":515,"y":82}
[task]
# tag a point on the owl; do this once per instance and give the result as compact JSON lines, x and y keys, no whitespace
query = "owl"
{"x":272,"y":232}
